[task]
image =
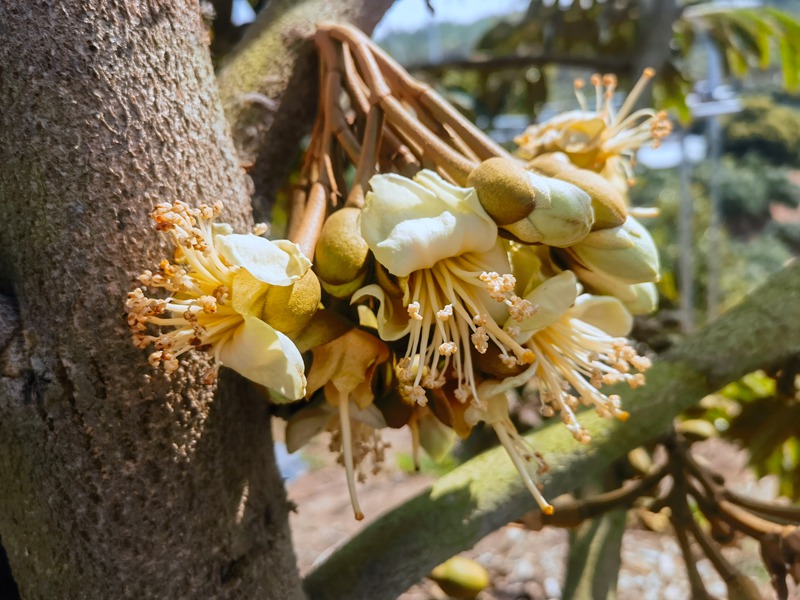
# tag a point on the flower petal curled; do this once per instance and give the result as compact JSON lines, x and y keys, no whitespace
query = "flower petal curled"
{"x":266,"y":357}
{"x":412,"y":224}
{"x":277,"y":262}
{"x":393,"y":322}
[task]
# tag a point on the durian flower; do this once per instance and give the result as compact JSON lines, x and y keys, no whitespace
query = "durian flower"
{"x":601,"y":138}
{"x":579,"y":345}
{"x":219,"y":286}
{"x":344,"y":368}
{"x":453,"y":281}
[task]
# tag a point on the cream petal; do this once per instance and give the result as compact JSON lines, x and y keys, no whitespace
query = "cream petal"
{"x":277,"y":263}
{"x":551,"y":300}
{"x":411,"y":225}
{"x":392,"y":322}
{"x":266,"y":357}
{"x":435,"y":437}
{"x":626,"y":253}
{"x":371,"y":415}
{"x":604,"y":312}
{"x":307,"y":423}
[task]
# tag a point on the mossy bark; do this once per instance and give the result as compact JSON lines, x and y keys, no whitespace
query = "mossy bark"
{"x":268,"y":134}
{"x":114,"y":480}
{"x":485,"y":493}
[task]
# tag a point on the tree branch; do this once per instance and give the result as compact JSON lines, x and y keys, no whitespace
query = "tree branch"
{"x":485,"y":493}
{"x":276,"y":61}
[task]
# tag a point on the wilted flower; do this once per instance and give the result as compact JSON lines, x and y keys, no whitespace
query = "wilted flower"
{"x":454,"y":283}
{"x":220,"y":285}
{"x":602,"y":139}
{"x":344,"y":369}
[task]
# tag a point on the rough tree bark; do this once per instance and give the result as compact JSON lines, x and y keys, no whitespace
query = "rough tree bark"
{"x":114,"y":481}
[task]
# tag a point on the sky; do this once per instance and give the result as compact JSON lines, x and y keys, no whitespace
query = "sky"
{"x":411,"y":15}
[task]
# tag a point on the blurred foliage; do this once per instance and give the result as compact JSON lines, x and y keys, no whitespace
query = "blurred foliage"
{"x":747,"y":37}
{"x":760,"y":412}
{"x":605,"y":36}
{"x":765,"y":127}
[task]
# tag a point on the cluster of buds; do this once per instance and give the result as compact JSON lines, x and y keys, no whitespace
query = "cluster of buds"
{"x":447,"y":273}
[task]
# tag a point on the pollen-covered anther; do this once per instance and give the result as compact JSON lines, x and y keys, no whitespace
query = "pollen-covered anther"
{"x":448,"y":349}
{"x":413,"y":311}
{"x":260,"y":229}
{"x":432,"y":383}
{"x":462,"y":394}
{"x":208,"y":304}
{"x":509,"y":361}
{"x":498,"y":286}
{"x":415,"y":394}
{"x":445,"y":313}
{"x":520,"y":309}
{"x":480,"y":339}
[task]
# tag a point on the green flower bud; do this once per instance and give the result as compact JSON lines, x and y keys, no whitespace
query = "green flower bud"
{"x":341,"y":254}
{"x":531,"y":207}
{"x":626,"y":253}
{"x":290,"y":308}
{"x":607,"y":202}
{"x":504,"y":190}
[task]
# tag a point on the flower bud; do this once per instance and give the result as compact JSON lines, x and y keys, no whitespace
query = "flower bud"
{"x":607,"y":202}
{"x":289,"y":308}
{"x":341,"y":254}
{"x":626,"y":253}
{"x":638,"y":298}
{"x":504,"y":190}
{"x":531,"y":207}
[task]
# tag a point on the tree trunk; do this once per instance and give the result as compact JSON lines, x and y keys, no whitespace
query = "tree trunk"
{"x":114,"y":480}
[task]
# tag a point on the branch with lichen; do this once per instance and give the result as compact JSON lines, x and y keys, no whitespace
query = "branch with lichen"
{"x":404,"y":545}
{"x":266,"y":82}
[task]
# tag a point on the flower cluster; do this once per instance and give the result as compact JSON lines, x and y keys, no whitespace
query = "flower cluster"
{"x":221,"y":287}
{"x":434,"y":295}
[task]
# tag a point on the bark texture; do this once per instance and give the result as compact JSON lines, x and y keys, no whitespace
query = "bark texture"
{"x":269,"y":85}
{"x":114,"y":480}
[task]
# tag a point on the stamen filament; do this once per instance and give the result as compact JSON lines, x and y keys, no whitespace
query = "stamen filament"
{"x":347,"y":452}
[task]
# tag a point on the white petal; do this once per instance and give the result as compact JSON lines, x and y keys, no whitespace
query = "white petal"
{"x":278,"y":263}
{"x":604,"y":312}
{"x":305,"y":424}
{"x":411,"y":225}
{"x":551,"y":300}
{"x":266,"y":357}
{"x":371,"y":415}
